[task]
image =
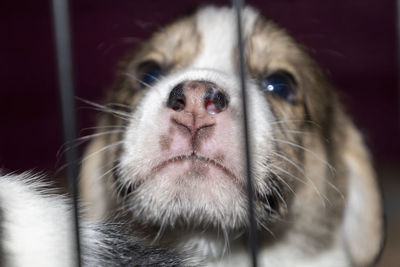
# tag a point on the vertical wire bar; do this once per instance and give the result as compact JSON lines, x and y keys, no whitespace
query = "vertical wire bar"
{"x":62,"y":37}
{"x":252,"y":241}
{"x":398,"y":54}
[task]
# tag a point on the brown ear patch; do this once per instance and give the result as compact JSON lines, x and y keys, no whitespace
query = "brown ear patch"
{"x":270,"y":49}
{"x":363,"y":227}
{"x":173,"y":48}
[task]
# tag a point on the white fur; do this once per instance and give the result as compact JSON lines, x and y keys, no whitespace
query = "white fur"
{"x":37,"y":228}
{"x":363,"y":239}
{"x":288,"y":254}
{"x":218,"y":34}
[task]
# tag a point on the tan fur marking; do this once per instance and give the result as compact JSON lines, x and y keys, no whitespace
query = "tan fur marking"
{"x":364,"y":227}
{"x":165,"y":142}
{"x":94,"y":187}
{"x":174,"y":47}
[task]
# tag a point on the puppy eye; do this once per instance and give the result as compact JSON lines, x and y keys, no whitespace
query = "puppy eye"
{"x":149,"y":72}
{"x":281,"y":84}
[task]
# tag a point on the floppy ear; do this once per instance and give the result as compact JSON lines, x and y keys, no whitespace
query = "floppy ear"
{"x":94,"y":184}
{"x":363,"y":222}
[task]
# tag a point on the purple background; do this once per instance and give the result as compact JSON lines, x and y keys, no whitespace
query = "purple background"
{"x":354,"y":41}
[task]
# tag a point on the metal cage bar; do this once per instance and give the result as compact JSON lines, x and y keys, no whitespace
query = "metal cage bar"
{"x":62,"y":37}
{"x":398,"y":53}
{"x":252,"y":239}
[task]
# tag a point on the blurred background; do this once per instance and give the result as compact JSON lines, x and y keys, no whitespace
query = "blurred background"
{"x":354,"y":42}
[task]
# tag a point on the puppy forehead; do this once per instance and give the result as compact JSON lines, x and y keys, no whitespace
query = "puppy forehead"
{"x":218,"y":31}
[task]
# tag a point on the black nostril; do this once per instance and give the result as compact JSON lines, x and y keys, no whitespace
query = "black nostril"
{"x":179,"y":105}
{"x":215,"y":101}
{"x":177,"y":99}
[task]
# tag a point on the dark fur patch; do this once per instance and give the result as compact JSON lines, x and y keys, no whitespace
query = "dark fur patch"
{"x":122,"y":189}
{"x":272,"y":200}
{"x":122,"y":249}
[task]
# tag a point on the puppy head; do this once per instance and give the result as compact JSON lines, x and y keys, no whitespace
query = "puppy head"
{"x":177,"y":158}
{"x":183,"y":148}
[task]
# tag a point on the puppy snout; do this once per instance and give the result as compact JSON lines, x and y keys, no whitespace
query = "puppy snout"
{"x":196,"y":103}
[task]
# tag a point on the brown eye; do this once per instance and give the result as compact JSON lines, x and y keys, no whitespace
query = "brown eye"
{"x":281,"y":84}
{"x":149,"y":73}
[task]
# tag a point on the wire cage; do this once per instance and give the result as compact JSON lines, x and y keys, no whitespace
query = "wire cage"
{"x":331,"y":51}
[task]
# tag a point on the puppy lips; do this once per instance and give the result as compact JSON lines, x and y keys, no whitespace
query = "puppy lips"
{"x":194,"y":164}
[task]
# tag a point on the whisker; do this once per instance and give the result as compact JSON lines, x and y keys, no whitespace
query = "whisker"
{"x":104,"y":127}
{"x":154,"y":77}
{"x":318,"y":157}
{"x":296,"y":132}
{"x":300,"y":180}
{"x":323,"y":197}
{"x":102,"y":150}
{"x":283,"y":180}
{"x":109,"y":171}
{"x":90,"y":155}
{"x":145,"y":84}
{"x":89,"y":136}
{"x":120,"y":105}
{"x":288,"y":173}
{"x":123,"y":185}
{"x":78,"y":141}
{"x":293,"y":120}
{"x":334,"y":187}
{"x":332,"y":169}
{"x":115,"y":113}
{"x":99,"y":107}
{"x":263,"y":225}
{"x":138,"y":80}
{"x":276,"y":192}
{"x":227,"y":248}
{"x":160,"y":231}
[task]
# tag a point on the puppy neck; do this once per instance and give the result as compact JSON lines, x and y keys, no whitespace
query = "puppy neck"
{"x":209,"y":245}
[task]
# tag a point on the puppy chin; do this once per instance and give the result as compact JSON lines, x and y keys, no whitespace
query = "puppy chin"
{"x":184,"y":196}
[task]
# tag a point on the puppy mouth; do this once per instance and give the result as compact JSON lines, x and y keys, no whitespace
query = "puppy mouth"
{"x":199,"y":164}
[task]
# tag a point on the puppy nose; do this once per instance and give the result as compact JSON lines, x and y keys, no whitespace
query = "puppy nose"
{"x":196,"y":105}
{"x":199,"y":98}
